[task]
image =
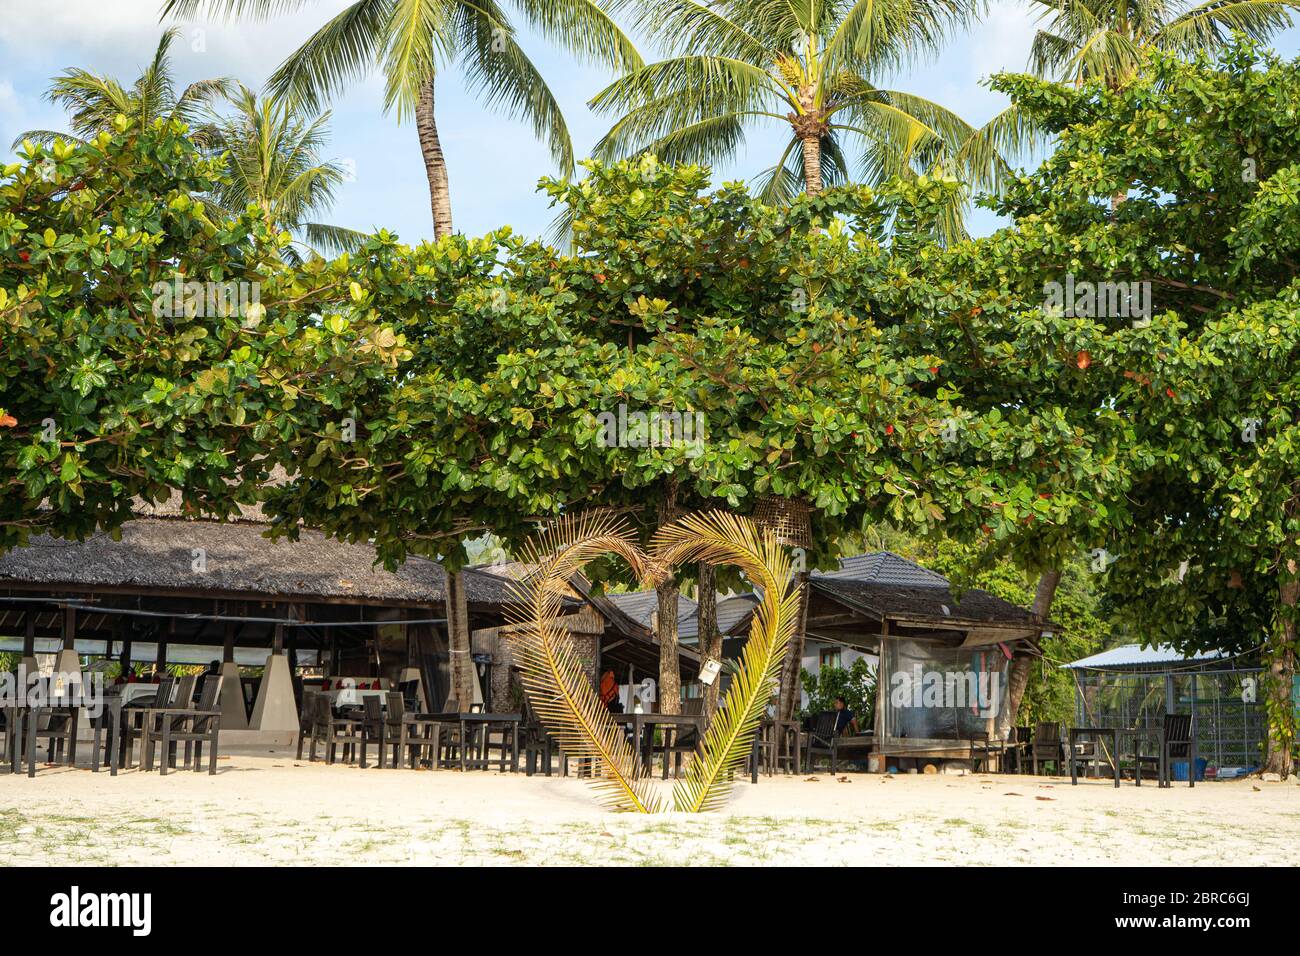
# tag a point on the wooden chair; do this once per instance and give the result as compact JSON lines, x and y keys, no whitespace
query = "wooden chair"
{"x":1177,"y":742}
{"x":307,"y":716}
{"x":331,"y":732}
{"x":196,"y":726}
{"x":1017,"y":749}
{"x":132,"y":726}
{"x":161,"y":715}
{"x":983,"y":749}
{"x":1047,"y":746}
{"x":821,"y":739}
{"x":11,"y":728}
{"x":57,"y":725}
{"x":406,"y":732}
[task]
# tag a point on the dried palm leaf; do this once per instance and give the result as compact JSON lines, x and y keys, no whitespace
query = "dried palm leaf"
{"x":552,"y":674}
{"x":718,"y":537}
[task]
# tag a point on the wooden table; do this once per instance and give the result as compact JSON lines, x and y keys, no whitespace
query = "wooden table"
{"x":641,"y":723}
{"x":481,"y":723}
{"x":1097,"y":734}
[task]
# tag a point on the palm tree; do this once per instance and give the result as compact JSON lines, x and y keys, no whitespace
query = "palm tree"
{"x":94,"y":101}
{"x":1108,"y":39}
{"x":273,"y":162}
{"x":411,"y":40}
{"x":811,"y":66}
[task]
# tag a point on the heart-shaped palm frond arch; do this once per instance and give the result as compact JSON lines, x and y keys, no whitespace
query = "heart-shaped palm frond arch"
{"x":562,"y":695}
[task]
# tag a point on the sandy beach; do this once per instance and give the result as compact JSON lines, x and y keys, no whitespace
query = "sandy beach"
{"x":267,"y":808}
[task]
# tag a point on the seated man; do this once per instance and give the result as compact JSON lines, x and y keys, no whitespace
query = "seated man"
{"x":844,"y":719}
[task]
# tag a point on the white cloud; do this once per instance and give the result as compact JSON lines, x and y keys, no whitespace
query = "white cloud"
{"x":117,"y":37}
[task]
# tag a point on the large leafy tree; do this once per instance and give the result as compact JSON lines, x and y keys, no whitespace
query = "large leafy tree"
{"x":1191,"y":522}
{"x":113,"y":387}
{"x":95,"y":102}
{"x":412,"y":41}
{"x":814,"y":68}
{"x":273,"y":162}
{"x":1111,"y":39}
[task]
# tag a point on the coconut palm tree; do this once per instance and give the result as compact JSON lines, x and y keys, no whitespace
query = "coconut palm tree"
{"x":411,"y":40}
{"x":94,"y":101}
{"x":812,"y":67}
{"x":273,"y":162}
{"x":1108,"y":39}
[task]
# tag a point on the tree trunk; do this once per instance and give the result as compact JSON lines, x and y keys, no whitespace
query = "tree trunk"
{"x":670,"y":677}
{"x":1280,"y":655}
{"x":710,"y":638}
{"x":463,"y":678}
{"x":1021,"y":663}
{"x":791,"y":687}
{"x":435,"y":164}
{"x":812,"y":165}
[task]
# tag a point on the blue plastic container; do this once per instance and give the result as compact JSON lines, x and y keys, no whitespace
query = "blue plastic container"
{"x":1179,"y":767}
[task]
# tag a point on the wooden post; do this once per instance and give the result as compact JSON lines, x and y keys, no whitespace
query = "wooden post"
{"x":69,"y":628}
{"x":29,"y":634}
{"x":228,"y":647}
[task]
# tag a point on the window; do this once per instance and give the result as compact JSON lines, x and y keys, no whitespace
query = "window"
{"x":830,"y":657}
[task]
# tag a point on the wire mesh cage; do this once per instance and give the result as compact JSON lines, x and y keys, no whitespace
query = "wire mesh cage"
{"x":1225,"y":697}
{"x":786,"y":517}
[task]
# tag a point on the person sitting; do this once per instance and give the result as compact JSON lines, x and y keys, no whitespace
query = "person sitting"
{"x":609,"y":693}
{"x":844,"y":719}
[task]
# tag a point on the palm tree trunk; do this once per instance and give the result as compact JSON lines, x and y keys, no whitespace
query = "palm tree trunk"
{"x":1021,"y":663}
{"x":710,"y":638}
{"x":1280,"y":657}
{"x":812,"y":165}
{"x":435,"y":164}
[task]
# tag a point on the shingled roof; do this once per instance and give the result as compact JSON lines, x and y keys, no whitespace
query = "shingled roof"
{"x":157,"y":554}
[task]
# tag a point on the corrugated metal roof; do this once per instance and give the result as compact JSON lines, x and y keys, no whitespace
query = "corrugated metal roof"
{"x":1136,"y":655}
{"x":885,"y":567}
{"x":729,"y":612}
{"x":641,"y":605}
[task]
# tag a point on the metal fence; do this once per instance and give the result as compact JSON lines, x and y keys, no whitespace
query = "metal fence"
{"x":1227,"y":701}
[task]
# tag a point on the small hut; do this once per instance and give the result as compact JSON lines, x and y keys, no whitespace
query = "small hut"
{"x":1132,"y":687}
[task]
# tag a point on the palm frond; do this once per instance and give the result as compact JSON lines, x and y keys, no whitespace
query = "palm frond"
{"x":343,"y":50}
{"x":498,"y":71}
{"x":553,"y":677}
{"x":1213,"y":23}
{"x":720,"y":537}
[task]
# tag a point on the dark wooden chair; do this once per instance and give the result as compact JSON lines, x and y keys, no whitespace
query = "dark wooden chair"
{"x":161,"y":714}
{"x":195,"y":726}
{"x":983,"y":749}
{"x":445,"y":741}
{"x":332,"y":731}
{"x":820,"y":740}
{"x":1017,"y":749}
{"x":11,"y":728}
{"x":374,"y":729}
{"x":307,"y":715}
{"x":1177,"y":742}
{"x":1047,"y":747}
{"x":56,"y":724}
{"x":132,"y":726}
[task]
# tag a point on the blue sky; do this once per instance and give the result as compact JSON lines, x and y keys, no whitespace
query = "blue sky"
{"x":494,"y":162}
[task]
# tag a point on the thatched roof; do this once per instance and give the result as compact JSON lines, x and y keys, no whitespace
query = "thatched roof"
{"x":158,"y":554}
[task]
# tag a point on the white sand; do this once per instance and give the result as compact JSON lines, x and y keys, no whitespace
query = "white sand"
{"x":270,"y":809}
